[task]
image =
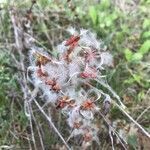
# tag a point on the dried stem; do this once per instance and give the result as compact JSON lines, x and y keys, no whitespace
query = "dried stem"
{"x":143,"y":113}
{"x":122,"y":106}
{"x":135,"y":122}
{"x":115,"y":132}
{"x":111,"y":90}
{"x":31,"y":127}
{"x":51,"y":123}
{"x":38,"y":129}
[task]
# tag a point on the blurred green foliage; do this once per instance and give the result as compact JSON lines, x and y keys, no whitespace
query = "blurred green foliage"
{"x":11,"y":111}
{"x":125,"y":30}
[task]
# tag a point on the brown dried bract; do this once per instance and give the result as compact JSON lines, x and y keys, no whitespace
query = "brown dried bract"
{"x":87,"y":137}
{"x":65,"y":101}
{"x":40,"y":73}
{"x":87,"y":105}
{"x":42,"y":60}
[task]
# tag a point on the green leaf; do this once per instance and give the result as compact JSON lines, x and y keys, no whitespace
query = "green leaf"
{"x":132,"y":140}
{"x":93,"y":14}
{"x":137,"y":78}
{"x":114,"y":16}
{"x":146,"y":23}
{"x":108,"y":22}
{"x":105,"y":4}
{"x":140,"y":95}
{"x":145,"y":47}
{"x":129,"y":81}
{"x":128,"y":54}
{"x":102,"y":25}
{"x":137,"y":57}
{"x":146,"y":34}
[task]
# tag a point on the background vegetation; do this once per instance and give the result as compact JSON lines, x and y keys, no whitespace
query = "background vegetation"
{"x":123,"y":25}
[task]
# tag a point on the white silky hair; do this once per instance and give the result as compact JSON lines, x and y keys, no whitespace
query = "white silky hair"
{"x":72,"y":30}
{"x":61,"y":48}
{"x":107,"y":59}
{"x":67,"y":75}
{"x":89,"y":39}
{"x":73,"y":115}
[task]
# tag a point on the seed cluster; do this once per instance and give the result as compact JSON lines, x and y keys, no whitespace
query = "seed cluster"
{"x":66,"y":80}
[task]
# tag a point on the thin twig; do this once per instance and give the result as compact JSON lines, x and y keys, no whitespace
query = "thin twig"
{"x":135,"y":122}
{"x":111,"y":138}
{"x":115,"y":132}
{"x":51,"y":123}
{"x":38,"y":129}
{"x":111,"y":90}
{"x":122,"y":108}
{"x":31,"y":126}
{"x":143,"y":113}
